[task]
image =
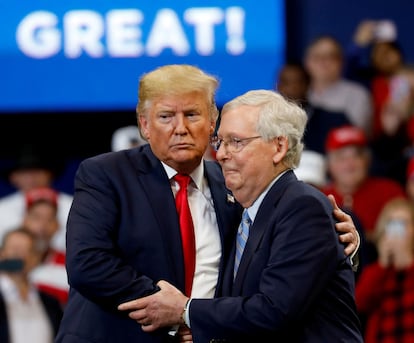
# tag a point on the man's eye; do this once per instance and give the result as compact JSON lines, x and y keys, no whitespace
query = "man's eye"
{"x":191,"y":114}
{"x":164,"y":115}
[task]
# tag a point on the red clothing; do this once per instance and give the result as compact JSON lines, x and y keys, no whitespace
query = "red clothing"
{"x":386,"y":296}
{"x":50,"y":277}
{"x":369,"y":199}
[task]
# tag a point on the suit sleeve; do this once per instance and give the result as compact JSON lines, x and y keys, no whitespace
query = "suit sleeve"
{"x":95,"y":264}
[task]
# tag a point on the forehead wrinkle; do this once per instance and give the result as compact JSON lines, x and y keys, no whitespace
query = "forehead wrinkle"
{"x":172,"y":106}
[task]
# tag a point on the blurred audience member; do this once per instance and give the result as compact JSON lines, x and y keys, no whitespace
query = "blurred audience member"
{"x":26,"y":314}
{"x":293,"y":83}
{"x":409,"y":185}
{"x":329,"y":89}
{"x":41,"y":220}
{"x":33,"y":169}
{"x":394,"y":143}
{"x":312,"y":169}
{"x":126,"y":137}
{"x":348,"y":161}
{"x":373,"y":58}
{"x":385,"y":289}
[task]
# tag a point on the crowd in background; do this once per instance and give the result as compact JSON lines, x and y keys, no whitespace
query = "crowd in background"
{"x":359,"y":140}
{"x":359,"y":146}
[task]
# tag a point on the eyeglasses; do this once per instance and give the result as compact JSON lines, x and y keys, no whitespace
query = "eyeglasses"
{"x":233,"y":144}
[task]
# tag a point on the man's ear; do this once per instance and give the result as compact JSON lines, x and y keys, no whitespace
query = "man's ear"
{"x":143,"y":124}
{"x":212,"y":127}
{"x":281,"y":145}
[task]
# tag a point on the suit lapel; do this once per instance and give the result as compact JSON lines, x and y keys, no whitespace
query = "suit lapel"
{"x":155,"y":183}
{"x":228,"y":213}
{"x":261,"y":224}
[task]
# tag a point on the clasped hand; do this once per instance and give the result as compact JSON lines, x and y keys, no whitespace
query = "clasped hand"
{"x":161,"y":309}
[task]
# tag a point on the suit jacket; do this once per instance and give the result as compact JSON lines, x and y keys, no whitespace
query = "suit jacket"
{"x":123,"y":236}
{"x":52,"y":307}
{"x":294,"y":283}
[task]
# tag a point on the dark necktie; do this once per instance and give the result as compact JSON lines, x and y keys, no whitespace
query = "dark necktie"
{"x":187,"y":230}
{"x":242,"y":235}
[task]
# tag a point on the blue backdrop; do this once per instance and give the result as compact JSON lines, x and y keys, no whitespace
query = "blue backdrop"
{"x":88,"y":55}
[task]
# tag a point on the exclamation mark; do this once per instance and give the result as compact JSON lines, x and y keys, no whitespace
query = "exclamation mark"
{"x":235,"y":30}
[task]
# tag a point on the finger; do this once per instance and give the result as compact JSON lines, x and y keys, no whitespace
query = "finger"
{"x":149,"y":327}
{"x":343,"y":227}
{"x":349,"y":238}
{"x":139,"y":315}
{"x":135,"y":304}
{"x":349,"y":249}
{"x":339,"y":213}
{"x":184,"y":334}
{"x":333,"y":201}
{"x":129,"y":305}
{"x":186,"y":338}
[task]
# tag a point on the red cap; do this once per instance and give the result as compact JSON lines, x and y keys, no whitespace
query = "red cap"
{"x":41,"y":194}
{"x":344,"y":136}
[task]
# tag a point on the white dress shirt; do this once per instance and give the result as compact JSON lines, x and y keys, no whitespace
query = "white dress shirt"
{"x":207,"y":236}
{"x":27,"y":319}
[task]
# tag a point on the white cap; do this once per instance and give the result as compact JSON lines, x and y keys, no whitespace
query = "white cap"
{"x":126,"y":137}
{"x":312,"y":168}
{"x":385,"y":31}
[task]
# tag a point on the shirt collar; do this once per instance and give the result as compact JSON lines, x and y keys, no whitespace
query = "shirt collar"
{"x":197,"y":175}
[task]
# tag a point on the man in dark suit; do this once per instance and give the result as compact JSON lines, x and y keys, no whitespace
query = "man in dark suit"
{"x":293,"y":283}
{"x":123,"y":232}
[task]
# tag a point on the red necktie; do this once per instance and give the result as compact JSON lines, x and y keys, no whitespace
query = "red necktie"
{"x":187,"y":230}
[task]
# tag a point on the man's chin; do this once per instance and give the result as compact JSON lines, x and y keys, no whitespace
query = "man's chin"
{"x":186,"y":158}
{"x":232,"y":180}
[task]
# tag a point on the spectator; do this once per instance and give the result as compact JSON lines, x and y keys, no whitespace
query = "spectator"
{"x":126,"y":137}
{"x":26,"y":314}
{"x":348,"y":161}
{"x":41,"y":220}
{"x":312,"y":169}
{"x":394,"y":143}
{"x":409,"y":186}
{"x":372,"y":59}
{"x":330,"y":90}
{"x":33,"y":169}
{"x":385,"y":290}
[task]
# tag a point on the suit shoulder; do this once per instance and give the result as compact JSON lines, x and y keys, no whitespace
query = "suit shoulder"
{"x":300,"y":189}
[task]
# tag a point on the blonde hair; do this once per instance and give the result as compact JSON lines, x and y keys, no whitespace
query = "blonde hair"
{"x":176,"y":79}
{"x":277,"y":117}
